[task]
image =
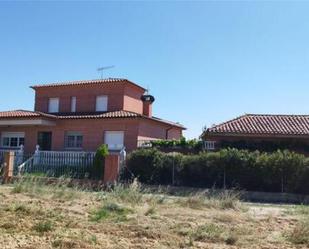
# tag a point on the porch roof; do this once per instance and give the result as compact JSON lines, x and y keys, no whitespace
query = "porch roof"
{"x":25,"y":118}
{"x":23,"y":114}
{"x":18,"y":115}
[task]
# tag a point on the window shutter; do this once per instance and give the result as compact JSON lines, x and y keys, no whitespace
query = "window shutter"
{"x":53,"y":105}
{"x":114,"y":139}
{"x":101,"y":104}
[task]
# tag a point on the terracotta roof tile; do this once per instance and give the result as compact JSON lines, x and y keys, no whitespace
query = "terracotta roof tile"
{"x":264,"y":124}
{"x":31,"y":114}
{"x":85,"y":82}
{"x":93,"y":115}
{"x":168,"y":122}
{"x":88,"y":115}
{"x":23,"y":114}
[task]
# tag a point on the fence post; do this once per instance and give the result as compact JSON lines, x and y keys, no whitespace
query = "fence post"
{"x":123,"y":159}
{"x":36,"y":157}
{"x":111,"y":169}
{"x":9,"y":158}
{"x":20,"y":155}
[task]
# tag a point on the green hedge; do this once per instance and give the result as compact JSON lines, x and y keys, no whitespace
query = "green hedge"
{"x":267,"y":146}
{"x":193,"y":144}
{"x":231,"y":168}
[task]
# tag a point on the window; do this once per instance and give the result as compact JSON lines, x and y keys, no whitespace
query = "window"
{"x":114,"y":139}
{"x":73,"y":140}
{"x":209,"y":145}
{"x":53,"y":105}
{"x":73,"y":104}
{"x":12,"y":139}
{"x":101,"y":104}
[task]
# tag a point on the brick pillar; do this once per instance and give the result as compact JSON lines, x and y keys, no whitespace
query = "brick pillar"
{"x":111,"y":170}
{"x":8,"y":166}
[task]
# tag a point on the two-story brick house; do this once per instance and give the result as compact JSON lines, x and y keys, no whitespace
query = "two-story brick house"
{"x":81,"y":115}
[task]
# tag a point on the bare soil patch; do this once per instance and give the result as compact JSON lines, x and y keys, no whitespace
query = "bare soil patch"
{"x":41,"y":216}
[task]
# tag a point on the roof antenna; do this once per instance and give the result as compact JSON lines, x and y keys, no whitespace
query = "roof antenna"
{"x":147,"y":90}
{"x":101,"y":69}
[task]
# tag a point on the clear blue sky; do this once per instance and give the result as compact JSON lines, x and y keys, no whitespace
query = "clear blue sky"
{"x":205,"y":62}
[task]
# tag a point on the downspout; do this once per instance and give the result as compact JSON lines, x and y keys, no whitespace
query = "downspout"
{"x":166,"y":132}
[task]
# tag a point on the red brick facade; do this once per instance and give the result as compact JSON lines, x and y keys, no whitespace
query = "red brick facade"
{"x":121,"y":96}
{"x":125,"y":113}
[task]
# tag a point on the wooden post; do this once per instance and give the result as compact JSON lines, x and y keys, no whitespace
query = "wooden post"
{"x":111,"y":170}
{"x":9,"y":158}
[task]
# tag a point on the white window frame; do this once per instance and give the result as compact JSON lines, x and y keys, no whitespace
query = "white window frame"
{"x":53,"y":105}
{"x":117,"y":146}
{"x":75,"y":136}
{"x":209,"y":145}
{"x":12,"y":135}
{"x":101,"y":103}
{"x":73,"y":104}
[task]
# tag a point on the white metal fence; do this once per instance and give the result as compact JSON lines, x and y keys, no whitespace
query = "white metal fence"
{"x":1,"y":156}
{"x":59,"y":163}
{"x":73,"y":164}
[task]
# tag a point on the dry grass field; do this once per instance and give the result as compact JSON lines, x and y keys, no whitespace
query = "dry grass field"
{"x":35,"y":215}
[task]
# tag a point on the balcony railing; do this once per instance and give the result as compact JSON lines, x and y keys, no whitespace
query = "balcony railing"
{"x":144,"y":144}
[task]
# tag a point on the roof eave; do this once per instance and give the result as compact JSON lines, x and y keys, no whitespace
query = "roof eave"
{"x":72,"y":84}
{"x":165,"y":122}
{"x":235,"y":134}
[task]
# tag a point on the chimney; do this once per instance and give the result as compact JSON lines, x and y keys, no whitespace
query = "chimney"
{"x":147,"y":104}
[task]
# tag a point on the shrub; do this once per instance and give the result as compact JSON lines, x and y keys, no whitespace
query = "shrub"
{"x":280,"y":171}
{"x":146,"y":164}
{"x":98,"y":164}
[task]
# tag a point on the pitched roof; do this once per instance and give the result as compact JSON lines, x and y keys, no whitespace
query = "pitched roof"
{"x":84,"y":115}
{"x":23,"y":114}
{"x":261,"y":124}
{"x":94,"y":115}
{"x":168,"y":122}
{"x":88,"y":115}
{"x":86,"y":82}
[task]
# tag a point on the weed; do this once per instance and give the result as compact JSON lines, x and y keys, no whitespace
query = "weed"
{"x":93,"y":239}
{"x":128,"y":194}
{"x":300,"y":233}
{"x":302,"y":210}
{"x":183,"y":229}
{"x":8,"y":226}
{"x":21,"y":208}
{"x":37,"y":186}
{"x":43,"y":227}
{"x":150,"y":211}
{"x":222,"y":200}
{"x":225,"y":217}
{"x":208,"y":232}
{"x":110,"y":211}
{"x":195,"y":201}
{"x":231,"y":239}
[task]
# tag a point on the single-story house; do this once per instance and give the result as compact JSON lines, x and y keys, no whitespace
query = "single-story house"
{"x":81,"y":115}
{"x":260,"y":131}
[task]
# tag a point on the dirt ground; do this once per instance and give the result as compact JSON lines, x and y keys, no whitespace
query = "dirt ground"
{"x":46,"y":217}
